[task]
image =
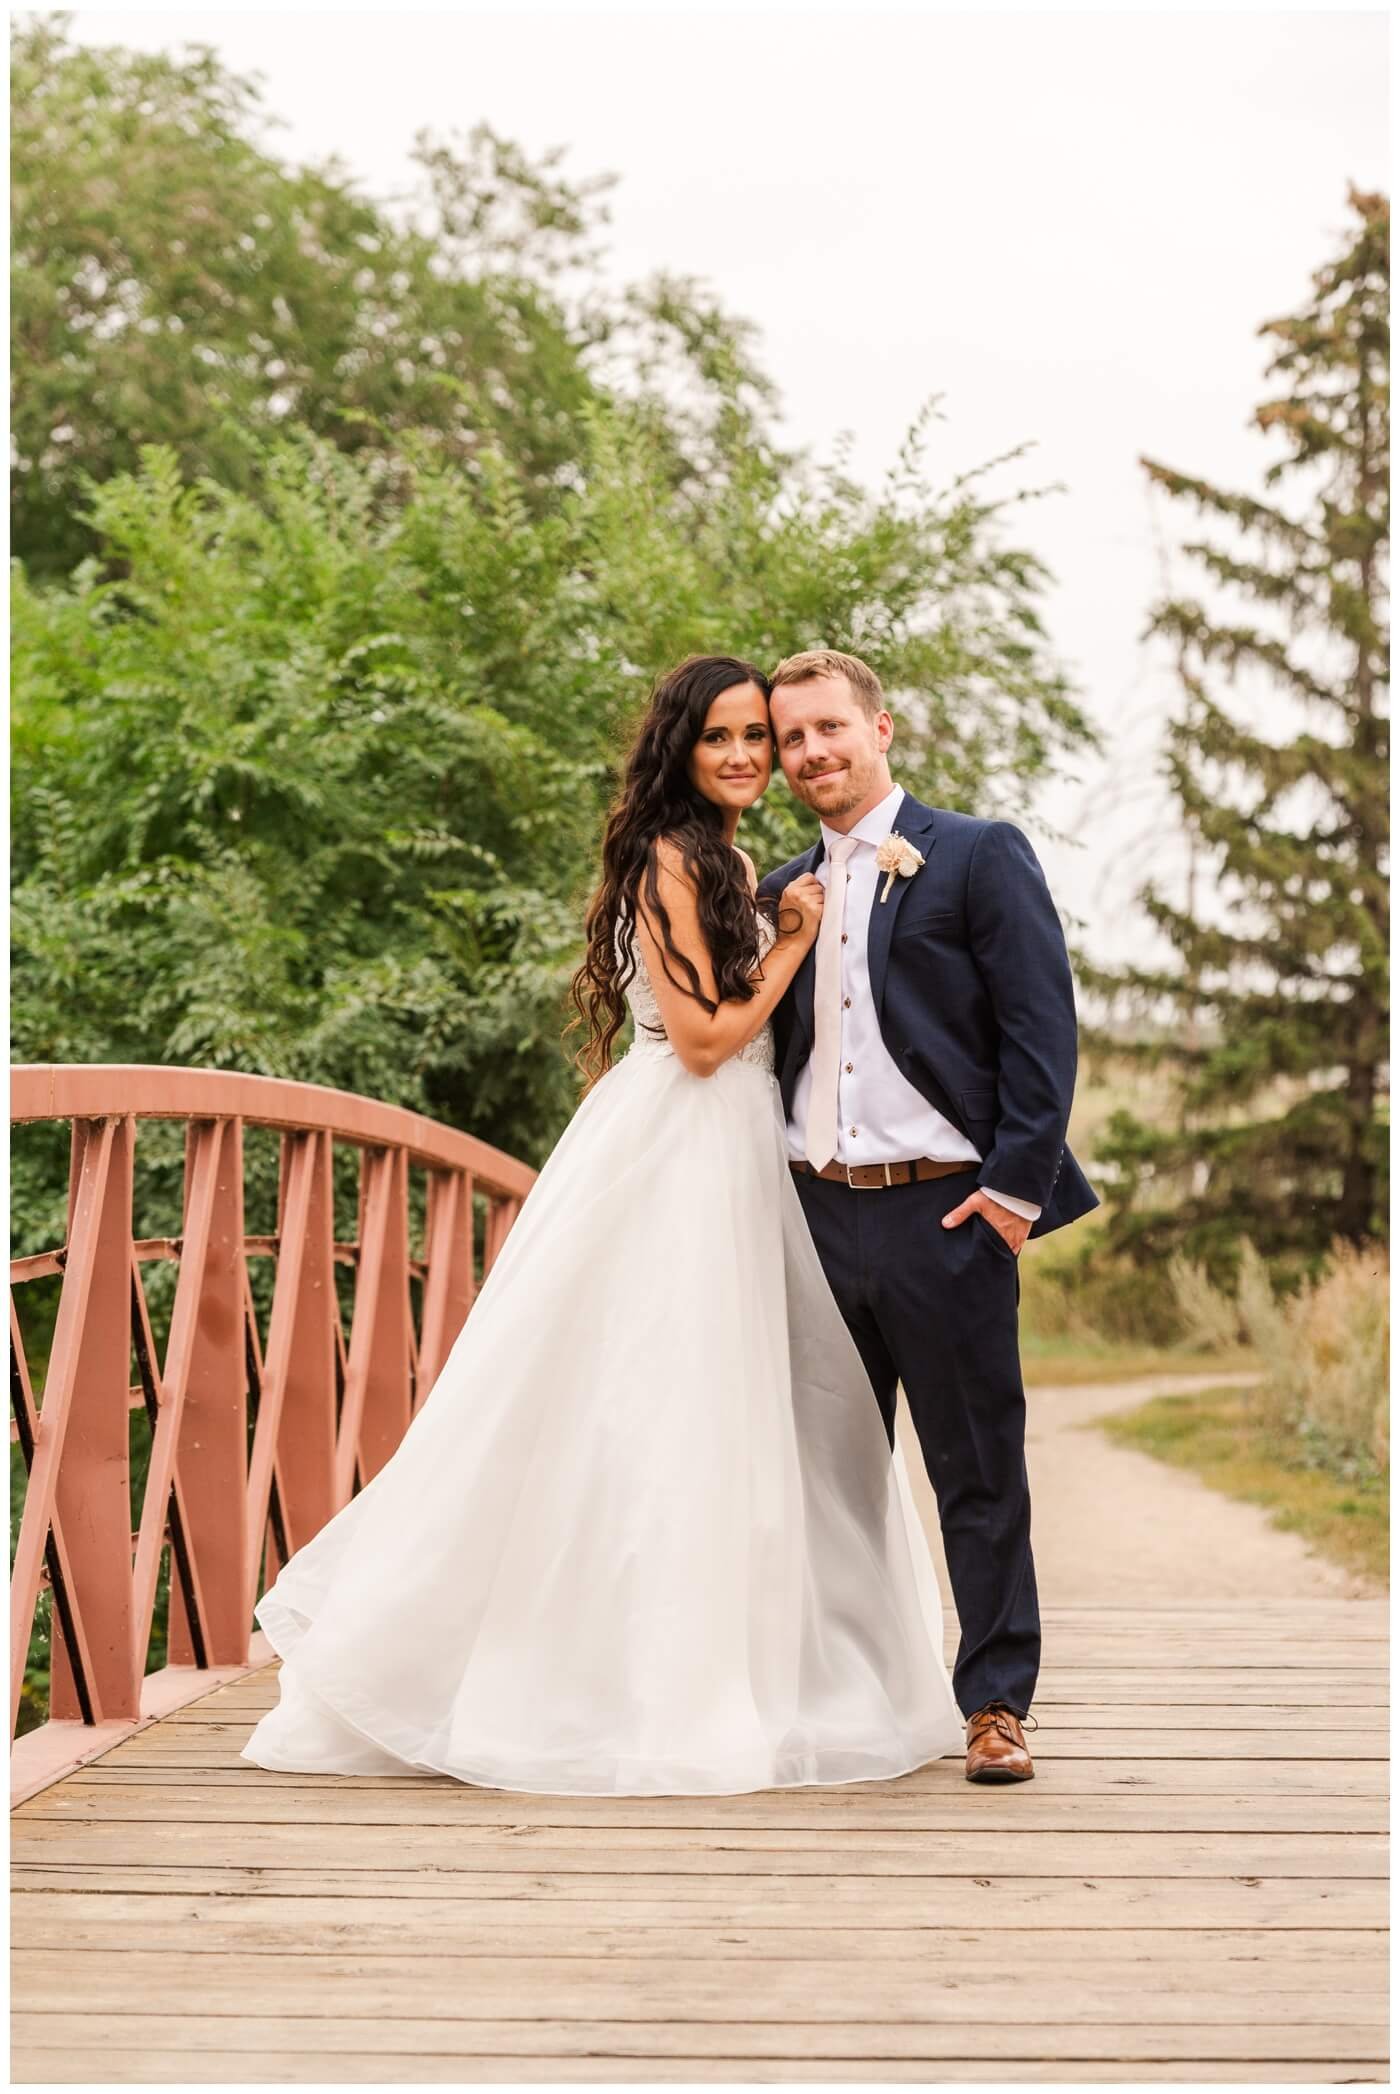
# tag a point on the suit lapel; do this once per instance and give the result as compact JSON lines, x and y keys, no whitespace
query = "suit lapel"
{"x":914,"y":823}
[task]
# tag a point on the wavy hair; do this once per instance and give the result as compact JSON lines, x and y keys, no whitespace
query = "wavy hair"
{"x":656,"y":799}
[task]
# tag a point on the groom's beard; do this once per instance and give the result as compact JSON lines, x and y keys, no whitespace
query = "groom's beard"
{"x":847,"y":790}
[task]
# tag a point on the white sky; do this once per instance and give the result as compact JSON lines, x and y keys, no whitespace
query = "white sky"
{"x":1069,"y":225}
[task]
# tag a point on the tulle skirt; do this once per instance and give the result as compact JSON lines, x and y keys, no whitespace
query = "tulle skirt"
{"x":645,"y":1535}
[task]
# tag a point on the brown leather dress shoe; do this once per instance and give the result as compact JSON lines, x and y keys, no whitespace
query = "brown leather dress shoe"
{"x":996,"y":1747}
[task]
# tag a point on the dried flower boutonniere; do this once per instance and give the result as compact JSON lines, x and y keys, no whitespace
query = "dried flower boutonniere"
{"x":896,"y":855}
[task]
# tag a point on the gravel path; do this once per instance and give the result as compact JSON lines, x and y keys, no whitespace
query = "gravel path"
{"x":1109,"y":1524}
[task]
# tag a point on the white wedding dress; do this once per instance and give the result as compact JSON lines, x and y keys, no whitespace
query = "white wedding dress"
{"x":645,"y":1535}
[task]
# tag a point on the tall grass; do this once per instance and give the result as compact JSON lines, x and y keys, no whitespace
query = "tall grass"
{"x":1325,"y":1352}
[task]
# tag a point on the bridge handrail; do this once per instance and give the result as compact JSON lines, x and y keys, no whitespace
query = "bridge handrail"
{"x":150,"y":1091}
{"x":325,"y":1412}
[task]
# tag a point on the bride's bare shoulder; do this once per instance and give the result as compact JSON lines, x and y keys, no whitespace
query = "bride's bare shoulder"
{"x":668,"y":856}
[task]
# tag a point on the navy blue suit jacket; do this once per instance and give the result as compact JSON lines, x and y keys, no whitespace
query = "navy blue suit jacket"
{"x":972,"y":987}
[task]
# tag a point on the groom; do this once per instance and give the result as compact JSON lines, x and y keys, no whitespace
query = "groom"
{"x":927,"y":1052}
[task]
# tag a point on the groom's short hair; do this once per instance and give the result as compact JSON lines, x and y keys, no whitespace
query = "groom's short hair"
{"x":829,"y":661}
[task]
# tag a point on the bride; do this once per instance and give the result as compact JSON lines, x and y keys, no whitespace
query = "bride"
{"x":645,"y":1535}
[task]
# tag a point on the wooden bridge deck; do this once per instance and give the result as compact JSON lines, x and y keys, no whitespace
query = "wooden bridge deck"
{"x":1193,"y":1889}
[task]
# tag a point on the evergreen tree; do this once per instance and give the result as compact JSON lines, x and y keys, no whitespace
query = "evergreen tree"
{"x":1277,"y":1007}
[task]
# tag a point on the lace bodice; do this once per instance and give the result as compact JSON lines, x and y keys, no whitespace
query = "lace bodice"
{"x":646,"y":1012}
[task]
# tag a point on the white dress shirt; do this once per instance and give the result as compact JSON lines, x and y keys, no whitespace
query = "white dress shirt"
{"x":880,"y":1117}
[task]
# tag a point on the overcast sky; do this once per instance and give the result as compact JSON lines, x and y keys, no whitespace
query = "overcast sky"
{"x":1069,"y":225}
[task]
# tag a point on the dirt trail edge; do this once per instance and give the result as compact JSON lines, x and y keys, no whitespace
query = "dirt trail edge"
{"x":1114,"y":1526}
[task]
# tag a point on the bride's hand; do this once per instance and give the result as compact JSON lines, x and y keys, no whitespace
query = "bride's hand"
{"x":804,"y":898}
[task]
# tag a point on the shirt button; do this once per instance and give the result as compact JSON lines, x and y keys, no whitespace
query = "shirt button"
{"x":846,"y":1001}
{"x":855,"y":1130}
{"x":844,"y":936}
{"x":849,"y":1067}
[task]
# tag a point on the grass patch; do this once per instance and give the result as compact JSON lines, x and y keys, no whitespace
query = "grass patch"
{"x":1214,"y":1434}
{"x":1071,"y":1360}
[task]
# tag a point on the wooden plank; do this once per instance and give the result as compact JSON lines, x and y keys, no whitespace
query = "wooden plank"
{"x":1101,"y":1686}
{"x":1085,"y":1711}
{"x":403,"y":1900}
{"x":32,"y":2065}
{"x":1362,"y":1615}
{"x":1132,"y":1658}
{"x":868,"y":2039}
{"x":1082,"y":1686}
{"x":1072,"y":1777}
{"x":356,"y":1986}
{"x":1097,"y":1688}
{"x":1300,"y":1647}
{"x":1271,"y":1651}
{"x":84,"y":1923}
{"x":1136,"y":1632}
{"x":1360,"y":1620}
{"x":1270,"y":1691}
{"x":1362,"y":1610}
{"x":737,"y":1852}
{"x":965,"y":1810}
{"x":261,"y":1684}
{"x":1252,"y":1751}
{"x":1363,"y":1741}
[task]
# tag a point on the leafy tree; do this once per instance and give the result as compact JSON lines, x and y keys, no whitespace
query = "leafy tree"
{"x":1276,"y":1018}
{"x":173,"y":282}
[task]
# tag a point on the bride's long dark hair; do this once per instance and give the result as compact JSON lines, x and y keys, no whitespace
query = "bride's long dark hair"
{"x":657,"y":799}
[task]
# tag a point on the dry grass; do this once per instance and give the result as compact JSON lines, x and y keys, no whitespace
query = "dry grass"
{"x":1325,"y":1352}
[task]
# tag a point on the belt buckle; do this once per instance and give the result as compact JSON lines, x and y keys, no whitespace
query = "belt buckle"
{"x":851,"y":1183}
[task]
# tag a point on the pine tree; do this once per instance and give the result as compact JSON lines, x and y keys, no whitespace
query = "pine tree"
{"x":1273,"y":1019}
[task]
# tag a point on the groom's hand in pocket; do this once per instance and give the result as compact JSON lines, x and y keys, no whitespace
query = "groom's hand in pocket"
{"x":1012,"y":1228}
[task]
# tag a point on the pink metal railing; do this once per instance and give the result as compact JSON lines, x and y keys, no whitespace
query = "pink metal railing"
{"x":324,"y":1411}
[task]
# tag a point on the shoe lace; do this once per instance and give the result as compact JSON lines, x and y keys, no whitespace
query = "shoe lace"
{"x":995,"y":1712}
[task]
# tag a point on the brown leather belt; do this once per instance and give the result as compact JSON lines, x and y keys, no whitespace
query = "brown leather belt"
{"x":873,"y":1177}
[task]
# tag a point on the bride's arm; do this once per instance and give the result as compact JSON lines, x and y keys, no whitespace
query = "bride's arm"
{"x":703,"y":1039}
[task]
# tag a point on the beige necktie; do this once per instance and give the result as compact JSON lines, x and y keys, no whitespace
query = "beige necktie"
{"x":826,"y":1010}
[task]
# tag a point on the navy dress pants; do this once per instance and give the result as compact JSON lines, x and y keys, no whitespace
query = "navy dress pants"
{"x":934,"y":1310}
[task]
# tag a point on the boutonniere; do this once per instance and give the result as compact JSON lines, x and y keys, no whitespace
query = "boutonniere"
{"x":896,"y":855}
